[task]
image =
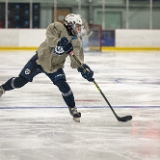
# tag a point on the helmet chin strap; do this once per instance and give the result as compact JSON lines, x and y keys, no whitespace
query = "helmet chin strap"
{"x":74,"y":26}
{"x":74,"y":30}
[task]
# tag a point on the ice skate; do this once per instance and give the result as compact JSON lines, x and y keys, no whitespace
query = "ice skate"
{"x":1,"y":91}
{"x":76,"y":115}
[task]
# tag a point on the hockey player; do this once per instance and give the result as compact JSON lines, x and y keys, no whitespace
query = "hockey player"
{"x":61,"y":39}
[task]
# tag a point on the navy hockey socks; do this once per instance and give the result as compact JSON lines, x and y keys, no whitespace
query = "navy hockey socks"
{"x":14,"y":82}
{"x":66,"y":92}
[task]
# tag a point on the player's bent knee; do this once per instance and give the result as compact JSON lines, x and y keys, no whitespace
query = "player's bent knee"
{"x":62,"y":85}
{"x":19,"y":82}
{"x":15,"y":82}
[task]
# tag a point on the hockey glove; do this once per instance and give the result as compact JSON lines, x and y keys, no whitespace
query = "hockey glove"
{"x":86,"y":72}
{"x":63,"y":46}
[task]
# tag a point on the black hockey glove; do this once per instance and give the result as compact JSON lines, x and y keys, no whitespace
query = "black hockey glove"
{"x":63,"y":46}
{"x":86,"y":72}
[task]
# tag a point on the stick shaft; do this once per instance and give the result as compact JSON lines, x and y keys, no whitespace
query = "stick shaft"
{"x":105,"y":98}
{"x":97,"y":87}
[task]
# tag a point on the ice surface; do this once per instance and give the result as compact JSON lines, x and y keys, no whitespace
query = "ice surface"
{"x":35,"y":123}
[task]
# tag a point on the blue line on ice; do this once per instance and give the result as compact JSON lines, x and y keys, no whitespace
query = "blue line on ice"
{"x":55,"y":107}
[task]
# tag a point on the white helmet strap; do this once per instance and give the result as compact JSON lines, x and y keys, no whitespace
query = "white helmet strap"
{"x":74,"y":26}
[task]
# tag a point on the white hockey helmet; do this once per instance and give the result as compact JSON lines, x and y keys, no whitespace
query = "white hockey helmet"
{"x":71,"y":20}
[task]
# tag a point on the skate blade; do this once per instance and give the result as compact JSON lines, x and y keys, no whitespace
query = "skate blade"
{"x":76,"y":119}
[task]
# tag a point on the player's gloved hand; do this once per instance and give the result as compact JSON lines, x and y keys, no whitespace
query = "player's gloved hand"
{"x":86,"y":72}
{"x":63,"y":46}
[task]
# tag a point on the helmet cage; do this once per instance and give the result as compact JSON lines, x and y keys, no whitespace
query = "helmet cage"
{"x":71,"y":20}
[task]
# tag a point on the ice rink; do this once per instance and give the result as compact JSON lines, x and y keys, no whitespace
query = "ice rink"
{"x":35,"y":123}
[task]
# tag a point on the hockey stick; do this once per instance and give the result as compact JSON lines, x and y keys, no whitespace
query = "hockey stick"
{"x":122,"y":119}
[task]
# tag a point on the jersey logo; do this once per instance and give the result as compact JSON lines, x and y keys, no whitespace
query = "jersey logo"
{"x":27,"y":71}
{"x":58,"y":50}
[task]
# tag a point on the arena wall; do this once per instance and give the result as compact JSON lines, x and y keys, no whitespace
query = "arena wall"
{"x":21,"y":38}
{"x":27,"y":39}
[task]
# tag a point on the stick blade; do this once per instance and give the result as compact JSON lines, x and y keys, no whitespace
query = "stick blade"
{"x":125,"y":119}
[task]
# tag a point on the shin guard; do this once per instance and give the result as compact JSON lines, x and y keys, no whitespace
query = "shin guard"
{"x":66,"y":92}
{"x":15,"y":82}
